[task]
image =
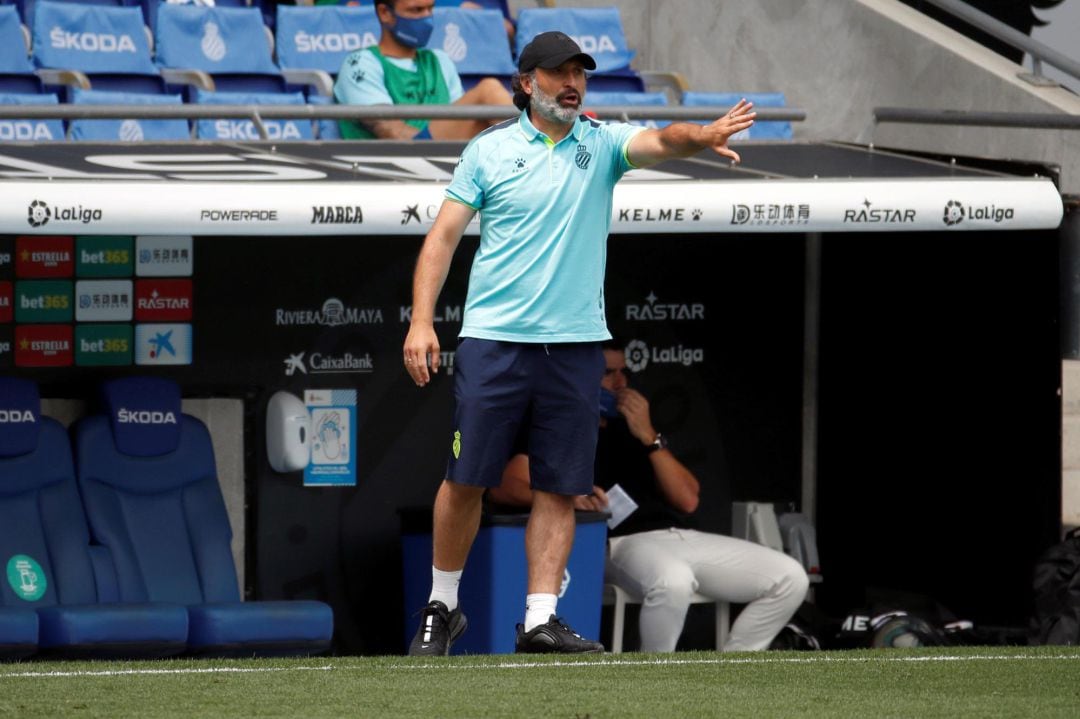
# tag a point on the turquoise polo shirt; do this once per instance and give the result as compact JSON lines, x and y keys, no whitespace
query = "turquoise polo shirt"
{"x":545,"y":211}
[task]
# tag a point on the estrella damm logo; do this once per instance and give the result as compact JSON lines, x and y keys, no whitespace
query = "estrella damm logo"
{"x":42,"y":301}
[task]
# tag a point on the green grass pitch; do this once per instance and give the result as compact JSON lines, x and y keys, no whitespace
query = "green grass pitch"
{"x":940,"y":682}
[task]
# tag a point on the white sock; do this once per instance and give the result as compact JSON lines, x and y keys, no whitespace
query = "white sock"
{"x":444,"y":586}
{"x":538,"y":609}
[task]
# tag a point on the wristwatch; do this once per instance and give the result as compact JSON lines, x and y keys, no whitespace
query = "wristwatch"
{"x":659,"y":443}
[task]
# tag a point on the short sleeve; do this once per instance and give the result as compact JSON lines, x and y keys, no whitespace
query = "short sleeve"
{"x":450,"y":74}
{"x":361,"y":81}
{"x":621,"y":134}
{"x":466,"y":187}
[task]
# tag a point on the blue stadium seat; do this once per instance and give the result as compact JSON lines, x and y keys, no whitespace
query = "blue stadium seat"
{"x":230,"y":44}
{"x":761,"y":130}
{"x":598,"y":31}
{"x":241,"y":129}
{"x":314,"y":41}
{"x":107,"y":45}
{"x":39,"y":130}
{"x":26,"y":7}
{"x":151,"y":492}
{"x":598,"y":99}
{"x":45,"y":543}
{"x":129,"y":130}
{"x":476,"y":41}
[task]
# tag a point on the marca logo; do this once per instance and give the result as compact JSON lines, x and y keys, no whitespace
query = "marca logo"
{"x":595,"y":43}
{"x":16,"y":416}
{"x":663,"y":311}
{"x":43,"y":346}
{"x":164,"y":256}
{"x":24,"y":130}
{"x":333,"y":41}
{"x":770,"y":214}
{"x":450,"y":313}
{"x":44,"y":257}
{"x":144,"y":416}
{"x":640,"y":355}
{"x":90,"y":41}
{"x":245,"y":130}
{"x":163,"y":300}
{"x":334,"y":313}
{"x":337,"y":215}
{"x":661,"y":214}
{"x":884,"y":215}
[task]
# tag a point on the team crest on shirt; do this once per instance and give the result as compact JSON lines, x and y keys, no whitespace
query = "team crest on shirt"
{"x":583,"y":156}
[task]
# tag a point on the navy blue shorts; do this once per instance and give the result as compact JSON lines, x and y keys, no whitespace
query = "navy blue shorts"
{"x":543,"y":399}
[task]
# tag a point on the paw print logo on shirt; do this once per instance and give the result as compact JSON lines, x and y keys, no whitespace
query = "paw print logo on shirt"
{"x":519,"y":164}
{"x":695,"y":214}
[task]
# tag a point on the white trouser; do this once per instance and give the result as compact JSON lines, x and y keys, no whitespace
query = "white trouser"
{"x":666,"y":567}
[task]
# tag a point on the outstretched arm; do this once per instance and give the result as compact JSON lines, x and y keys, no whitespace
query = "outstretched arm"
{"x":684,"y":139}
{"x":431,"y":268}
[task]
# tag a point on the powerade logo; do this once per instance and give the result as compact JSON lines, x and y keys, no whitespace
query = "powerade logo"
{"x":39,"y":213}
{"x":238,"y":216}
{"x":333,"y":41}
{"x":90,"y":41}
{"x":144,"y":416}
{"x":337,"y":215}
{"x":16,"y":416}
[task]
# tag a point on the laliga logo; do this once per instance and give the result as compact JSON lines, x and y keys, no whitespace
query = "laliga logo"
{"x":38,"y":213}
{"x":637,"y":355}
{"x":143,"y":416}
{"x":954,"y":213}
{"x":16,"y":416}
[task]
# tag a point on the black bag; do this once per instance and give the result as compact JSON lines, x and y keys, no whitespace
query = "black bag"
{"x":1057,"y":594}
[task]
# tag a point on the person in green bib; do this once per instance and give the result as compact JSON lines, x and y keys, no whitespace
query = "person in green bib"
{"x":400,"y":70}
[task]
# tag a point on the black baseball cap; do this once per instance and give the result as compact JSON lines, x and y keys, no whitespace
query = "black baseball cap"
{"x":551,"y":49}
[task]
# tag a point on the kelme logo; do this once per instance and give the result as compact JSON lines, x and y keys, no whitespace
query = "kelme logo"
{"x":26,"y":578}
{"x":456,"y":446}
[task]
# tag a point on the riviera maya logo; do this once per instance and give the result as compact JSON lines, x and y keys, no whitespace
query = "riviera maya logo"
{"x":38,"y":213}
{"x":954,"y":213}
{"x":26,"y":578}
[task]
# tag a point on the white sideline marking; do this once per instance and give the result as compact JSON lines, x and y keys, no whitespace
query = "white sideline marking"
{"x":541,"y":665}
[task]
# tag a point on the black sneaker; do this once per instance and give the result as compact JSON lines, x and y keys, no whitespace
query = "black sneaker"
{"x":555,"y":637}
{"x":439,"y":629}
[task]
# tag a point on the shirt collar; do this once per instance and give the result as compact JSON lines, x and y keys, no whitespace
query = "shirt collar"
{"x":577,"y":130}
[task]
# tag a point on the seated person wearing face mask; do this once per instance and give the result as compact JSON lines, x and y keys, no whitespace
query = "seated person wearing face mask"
{"x":400,"y":70}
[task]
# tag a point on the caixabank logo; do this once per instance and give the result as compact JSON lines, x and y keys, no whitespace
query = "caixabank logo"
{"x":163,"y":344}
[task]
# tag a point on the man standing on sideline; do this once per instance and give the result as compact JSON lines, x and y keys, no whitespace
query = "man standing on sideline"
{"x":529,"y":359}
{"x":400,"y":70}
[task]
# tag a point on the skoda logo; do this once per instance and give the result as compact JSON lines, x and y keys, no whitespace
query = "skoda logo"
{"x":38,"y":213}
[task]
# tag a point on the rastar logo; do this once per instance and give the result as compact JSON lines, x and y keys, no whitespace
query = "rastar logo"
{"x":16,"y":416}
{"x":163,"y":300}
{"x":664,"y":311}
{"x":333,"y":41}
{"x":144,"y":416}
{"x":90,"y":41}
{"x":874,"y":215}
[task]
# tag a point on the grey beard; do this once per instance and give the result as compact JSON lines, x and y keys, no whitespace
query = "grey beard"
{"x":549,"y":109}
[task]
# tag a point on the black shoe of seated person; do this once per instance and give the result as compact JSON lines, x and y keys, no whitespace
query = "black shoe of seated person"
{"x":439,"y":629}
{"x":554,"y":637}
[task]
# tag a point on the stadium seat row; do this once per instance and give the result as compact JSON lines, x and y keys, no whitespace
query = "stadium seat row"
{"x":122,"y":548}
